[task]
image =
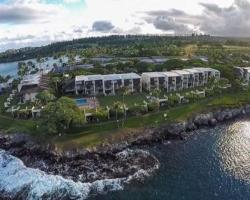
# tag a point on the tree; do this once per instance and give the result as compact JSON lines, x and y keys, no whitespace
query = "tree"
{"x":45,"y":97}
{"x":125,"y":91}
{"x":61,"y":115}
{"x":4,"y":79}
{"x":156,"y":93}
{"x":117,"y":105}
{"x":22,"y":69}
{"x":54,"y":83}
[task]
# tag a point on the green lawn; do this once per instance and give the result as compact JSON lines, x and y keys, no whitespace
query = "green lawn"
{"x":96,"y":134}
{"x":129,"y":100}
{"x":93,"y":134}
{"x":99,"y":133}
{"x":14,"y":125}
{"x":237,"y":49}
{"x":10,"y":124}
{"x":3,"y":98}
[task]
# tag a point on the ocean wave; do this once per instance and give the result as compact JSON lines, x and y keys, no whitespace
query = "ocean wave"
{"x":20,"y":182}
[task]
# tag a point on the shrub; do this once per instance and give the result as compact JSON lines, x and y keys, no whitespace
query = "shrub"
{"x":137,"y":110}
{"x":173,"y":100}
{"x":153,"y":106}
{"x":101,"y":115}
{"x":112,"y":112}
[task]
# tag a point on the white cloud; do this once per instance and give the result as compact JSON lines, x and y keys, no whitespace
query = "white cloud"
{"x":52,"y":22}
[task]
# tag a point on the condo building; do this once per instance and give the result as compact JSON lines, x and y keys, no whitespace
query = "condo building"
{"x":153,"y":80}
{"x":243,"y":73}
{"x":186,"y":78}
{"x":173,"y":81}
{"x":177,"y":80}
{"x":107,"y":84}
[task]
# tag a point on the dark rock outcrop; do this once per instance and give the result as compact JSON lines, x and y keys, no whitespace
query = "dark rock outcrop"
{"x":111,"y":162}
{"x":177,"y":131}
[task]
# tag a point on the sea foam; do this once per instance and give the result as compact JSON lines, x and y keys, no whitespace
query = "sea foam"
{"x":20,"y":182}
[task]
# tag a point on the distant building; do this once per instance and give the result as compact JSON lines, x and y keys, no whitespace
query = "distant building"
{"x":103,"y":59}
{"x":106,"y":84}
{"x":153,"y":60}
{"x":159,"y":59}
{"x":69,"y":68}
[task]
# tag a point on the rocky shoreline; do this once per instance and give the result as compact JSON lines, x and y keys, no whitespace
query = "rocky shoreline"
{"x":121,"y":162}
{"x":180,"y":130}
{"x":96,"y":171}
{"x":78,"y":165}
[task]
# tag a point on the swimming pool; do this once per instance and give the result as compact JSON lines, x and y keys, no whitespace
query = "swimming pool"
{"x":81,"y":102}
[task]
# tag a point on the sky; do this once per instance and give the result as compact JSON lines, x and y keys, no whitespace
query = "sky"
{"x":40,"y":22}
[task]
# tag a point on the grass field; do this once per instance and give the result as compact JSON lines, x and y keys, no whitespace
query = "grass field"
{"x":100,"y":133}
{"x":237,"y":48}
{"x":10,"y":124}
{"x":94,"y":134}
{"x":129,"y":100}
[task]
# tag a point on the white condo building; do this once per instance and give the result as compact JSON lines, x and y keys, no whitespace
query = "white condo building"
{"x":178,"y":79}
{"x":243,"y":73}
{"x":107,"y":84}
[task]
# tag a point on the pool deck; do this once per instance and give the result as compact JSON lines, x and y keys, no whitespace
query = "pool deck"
{"x":91,"y":103}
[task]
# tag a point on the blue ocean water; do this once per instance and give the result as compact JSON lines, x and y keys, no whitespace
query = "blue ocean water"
{"x":8,"y":69}
{"x":213,"y":164}
{"x":11,"y":68}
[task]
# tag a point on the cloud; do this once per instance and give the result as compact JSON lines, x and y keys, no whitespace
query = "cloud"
{"x":169,"y":24}
{"x":27,"y":11}
{"x":233,"y":20}
{"x":228,"y":21}
{"x":102,"y":26}
{"x":47,"y":21}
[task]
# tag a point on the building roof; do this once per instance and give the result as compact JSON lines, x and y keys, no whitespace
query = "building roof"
{"x":154,"y":74}
{"x":102,"y":59}
{"x":130,"y":76}
{"x":171,"y":74}
{"x":247,"y":68}
{"x":111,"y":77}
{"x":181,"y":72}
{"x":202,"y":69}
{"x":88,"y":77}
{"x":206,"y":69}
{"x":27,"y":89}
{"x":159,"y":59}
{"x":193,"y":70}
{"x":107,"y":77}
{"x":30,"y":80}
{"x":146,"y":60}
{"x":215,"y":70}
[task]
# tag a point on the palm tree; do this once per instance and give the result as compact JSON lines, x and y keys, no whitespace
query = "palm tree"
{"x":116,"y":106}
{"x":156,"y":93}
{"x":125,"y":91}
{"x":54,"y":82}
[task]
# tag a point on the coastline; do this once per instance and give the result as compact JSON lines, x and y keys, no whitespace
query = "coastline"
{"x":180,"y":130}
{"x":123,"y":162}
